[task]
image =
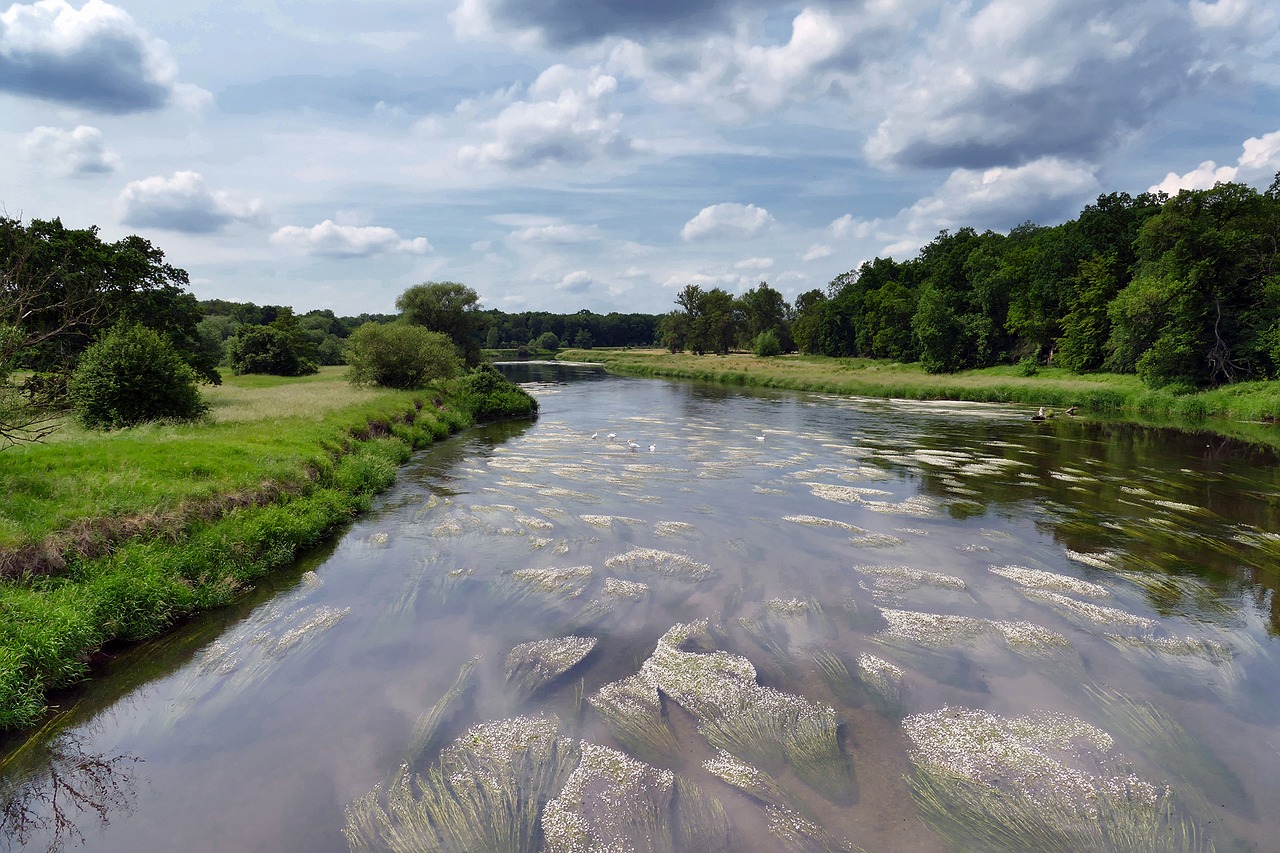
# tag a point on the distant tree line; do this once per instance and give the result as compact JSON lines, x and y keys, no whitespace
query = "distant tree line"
{"x":1183,"y":291}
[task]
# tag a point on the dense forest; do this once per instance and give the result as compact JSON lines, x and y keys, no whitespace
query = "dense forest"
{"x":1182,"y":291}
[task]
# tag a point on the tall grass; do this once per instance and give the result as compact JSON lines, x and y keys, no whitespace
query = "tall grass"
{"x":129,"y":532}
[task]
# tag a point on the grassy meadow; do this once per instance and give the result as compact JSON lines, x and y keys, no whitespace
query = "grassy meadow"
{"x":1246,"y":410}
{"x":118,"y":535}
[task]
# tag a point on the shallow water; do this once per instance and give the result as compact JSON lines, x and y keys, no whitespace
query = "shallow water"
{"x":866,"y":562}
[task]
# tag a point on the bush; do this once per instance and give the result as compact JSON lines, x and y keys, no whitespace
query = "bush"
{"x":548,"y":341}
{"x":398,"y":355}
{"x":131,"y":375}
{"x":491,"y":396}
{"x":270,"y":350}
{"x":1028,"y":366}
{"x":767,"y":344}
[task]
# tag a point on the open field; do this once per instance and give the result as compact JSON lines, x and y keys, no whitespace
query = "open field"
{"x":1246,"y":410}
{"x":108,"y":536}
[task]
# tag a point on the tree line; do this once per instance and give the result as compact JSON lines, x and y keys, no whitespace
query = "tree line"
{"x":1183,"y":291}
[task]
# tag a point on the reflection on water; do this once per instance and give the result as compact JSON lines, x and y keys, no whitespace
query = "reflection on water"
{"x":669,"y":617}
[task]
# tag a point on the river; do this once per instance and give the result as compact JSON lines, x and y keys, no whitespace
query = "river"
{"x":671,"y":616}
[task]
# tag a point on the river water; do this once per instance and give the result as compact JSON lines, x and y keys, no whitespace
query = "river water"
{"x":746,"y":621}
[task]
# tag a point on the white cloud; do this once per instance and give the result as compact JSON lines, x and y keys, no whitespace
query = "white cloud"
{"x":181,"y":202}
{"x":754,"y":264}
{"x":557,"y":233}
{"x":330,"y":239}
{"x":579,"y":281}
{"x":727,"y":221}
{"x":96,"y":57}
{"x":564,"y":121}
{"x":1259,"y":160}
{"x":71,"y":152}
{"x":816,"y":252}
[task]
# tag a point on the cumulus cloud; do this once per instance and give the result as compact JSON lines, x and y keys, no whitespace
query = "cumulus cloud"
{"x":563,"y":121}
{"x":579,"y":281}
{"x":329,"y":239}
{"x":733,"y":77}
{"x":816,"y":252}
{"x":182,"y":202}
{"x":96,"y":57}
{"x":556,"y":233}
{"x":1018,"y":80}
{"x":757,"y":264}
{"x":76,"y":152}
{"x":727,"y":221}
{"x":1259,"y":160}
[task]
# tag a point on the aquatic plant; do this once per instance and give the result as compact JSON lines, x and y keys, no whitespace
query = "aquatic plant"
{"x":1092,"y":615}
{"x":486,"y":795}
{"x":632,"y":710}
{"x":836,"y":676}
{"x":618,"y":588}
{"x":904,"y":578}
{"x":568,"y":582}
{"x":673,"y":528}
{"x":665,"y":563}
{"x":883,"y":679}
{"x":798,"y":833}
{"x":1050,"y":581}
{"x":532,"y":666}
{"x":611,"y":801}
{"x":1044,"y":782}
{"x":427,"y":727}
{"x":816,"y":521}
{"x":744,"y":777}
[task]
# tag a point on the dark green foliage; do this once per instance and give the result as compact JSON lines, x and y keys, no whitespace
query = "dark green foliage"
{"x":491,"y":396}
{"x":449,"y":308}
{"x":766,"y":344}
{"x":272,"y":350}
{"x":548,"y":341}
{"x":132,"y":375}
{"x":399,"y":355}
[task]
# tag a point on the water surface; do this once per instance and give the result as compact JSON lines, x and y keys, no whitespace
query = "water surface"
{"x":850,"y":598}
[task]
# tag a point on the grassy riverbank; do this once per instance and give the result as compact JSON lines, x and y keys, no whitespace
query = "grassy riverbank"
{"x":1244,"y":410}
{"x":117,"y":536}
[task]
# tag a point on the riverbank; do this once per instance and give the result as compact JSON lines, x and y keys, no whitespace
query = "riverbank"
{"x":1245,"y":410}
{"x":118,"y":536}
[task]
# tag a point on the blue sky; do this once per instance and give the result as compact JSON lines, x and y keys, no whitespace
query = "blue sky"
{"x":563,"y":154}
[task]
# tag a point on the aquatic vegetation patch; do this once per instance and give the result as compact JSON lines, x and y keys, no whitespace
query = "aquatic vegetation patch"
{"x":632,"y":710}
{"x":569,"y":581}
{"x":532,"y":666}
{"x":876,"y":540}
{"x":744,"y":777}
{"x":673,"y":528}
{"x":904,"y":578}
{"x":931,"y":629}
{"x":798,"y":833}
{"x":883,"y":679}
{"x":532,"y":522}
{"x":665,"y":563}
{"x":1092,"y":615}
{"x":836,"y":676}
{"x":790,"y":607}
{"x":486,"y":794}
{"x":816,"y":521}
{"x":602,"y":521}
{"x":1109,"y":560}
{"x":1050,"y":581}
{"x":618,"y":588}
{"x":843,"y":494}
{"x":1043,"y":782}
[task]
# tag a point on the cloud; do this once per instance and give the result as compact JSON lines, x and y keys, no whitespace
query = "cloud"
{"x":181,"y":202}
{"x":576,"y":282}
{"x":76,"y":152}
{"x":754,"y":264}
{"x":726,"y":221}
{"x":1019,"y":80}
{"x":563,"y":122}
{"x":1259,"y":160}
{"x":559,"y":234}
{"x":95,"y":57}
{"x":733,"y":77}
{"x":329,"y":239}
{"x":816,"y":252}
{"x":563,"y":23}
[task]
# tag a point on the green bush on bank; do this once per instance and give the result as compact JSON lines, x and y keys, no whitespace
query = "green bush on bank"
{"x":132,"y":375}
{"x":491,"y":396}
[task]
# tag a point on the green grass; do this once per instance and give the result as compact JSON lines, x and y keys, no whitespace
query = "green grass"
{"x":119,"y":535}
{"x":1246,"y":410}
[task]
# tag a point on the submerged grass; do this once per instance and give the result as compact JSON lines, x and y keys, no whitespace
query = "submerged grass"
{"x":118,"y":536}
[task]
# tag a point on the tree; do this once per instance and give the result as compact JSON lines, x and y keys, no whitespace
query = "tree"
{"x":399,"y":355}
{"x":131,"y":375}
{"x":583,"y":339}
{"x":449,"y":308}
{"x":763,"y":309}
{"x":547,"y":341}
{"x":268,"y":349}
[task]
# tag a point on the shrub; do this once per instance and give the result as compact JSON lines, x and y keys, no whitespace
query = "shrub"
{"x":767,"y":344}
{"x":1028,"y":366}
{"x":131,"y":375}
{"x":548,"y":341}
{"x":491,"y":396}
{"x":398,"y":355}
{"x":270,"y":350}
